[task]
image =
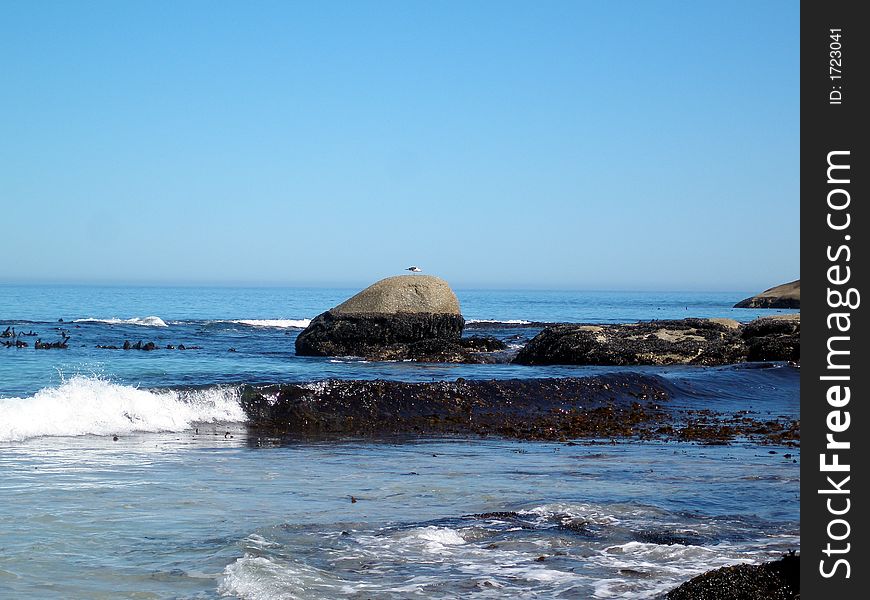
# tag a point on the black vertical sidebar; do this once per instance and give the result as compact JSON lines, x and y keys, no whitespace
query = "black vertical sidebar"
{"x":835,"y":369}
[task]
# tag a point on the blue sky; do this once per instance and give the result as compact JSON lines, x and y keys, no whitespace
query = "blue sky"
{"x":590,"y":145}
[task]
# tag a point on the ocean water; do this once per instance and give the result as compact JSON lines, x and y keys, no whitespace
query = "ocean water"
{"x":186,"y":503}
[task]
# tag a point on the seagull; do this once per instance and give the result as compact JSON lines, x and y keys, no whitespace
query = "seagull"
{"x":414,"y":269}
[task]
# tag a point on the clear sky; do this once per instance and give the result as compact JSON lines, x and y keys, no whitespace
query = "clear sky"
{"x":591,"y":145}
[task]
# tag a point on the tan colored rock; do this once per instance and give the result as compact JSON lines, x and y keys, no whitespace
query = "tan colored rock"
{"x":408,"y":294}
{"x":413,"y":317}
{"x":787,"y":295}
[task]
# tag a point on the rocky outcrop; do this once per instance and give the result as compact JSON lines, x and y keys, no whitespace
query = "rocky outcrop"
{"x":777,"y":580}
{"x":773,"y":338}
{"x":684,"y":341}
{"x":414,"y":317}
{"x":602,"y":406}
{"x":787,"y":295}
{"x":611,"y":406}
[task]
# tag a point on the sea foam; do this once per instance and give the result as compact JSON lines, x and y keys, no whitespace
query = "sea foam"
{"x":282,"y":323}
{"x":144,"y":321}
{"x":89,"y":405}
{"x":500,"y":322}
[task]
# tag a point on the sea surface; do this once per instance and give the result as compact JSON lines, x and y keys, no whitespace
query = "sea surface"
{"x":130,"y":473}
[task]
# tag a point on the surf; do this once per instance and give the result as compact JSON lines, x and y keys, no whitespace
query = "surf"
{"x":95,"y":406}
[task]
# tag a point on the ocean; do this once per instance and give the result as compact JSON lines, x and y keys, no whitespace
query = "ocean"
{"x":131,"y":473}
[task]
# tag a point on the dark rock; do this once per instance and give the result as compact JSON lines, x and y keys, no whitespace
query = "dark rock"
{"x":482,"y":343}
{"x":778,"y":580}
{"x":410,"y":317}
{"x":685,"y":341}
{"x":374,"y":335}
{"x":787,"y":295}
{"x":521,"y":408}
{"x":773,"y":338}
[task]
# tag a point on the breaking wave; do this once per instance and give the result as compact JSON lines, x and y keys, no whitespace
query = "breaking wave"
{"x":281,"y":323}
{"x":144,"y":321}
{"x":94,"y":406}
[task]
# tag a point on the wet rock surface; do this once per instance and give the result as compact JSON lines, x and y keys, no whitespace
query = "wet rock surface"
{"x":685,"y":341}
{"x":629,"y":405}
{"x":777,"y":580}
{"x":379,"y":336}
{"x":773,"y":338}
{"x":524,"y":408}
{"x":787,"y":295}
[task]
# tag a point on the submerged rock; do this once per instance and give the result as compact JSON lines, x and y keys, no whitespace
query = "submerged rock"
{"x":787,"y":295}
{"x":777,"y":580}
{"x":409,"y":317}
{"x":684,"y":341}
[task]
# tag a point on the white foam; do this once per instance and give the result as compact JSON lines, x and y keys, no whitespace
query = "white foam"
{"x":499,"y":321}
{"x":666,"y":566}
{"x":259,"y":578}
{"x":151,"y":321}
{"x":435,"y":538}
{"x":90,"y":405}
{"x":566,"y":511}
{"x":280,"y":323}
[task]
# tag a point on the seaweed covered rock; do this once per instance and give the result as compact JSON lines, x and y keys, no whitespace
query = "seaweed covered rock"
{"x":773,"y":338}
{"x":603,"y":406}
{"x":787,"y":295}
{"x":777,"y":580}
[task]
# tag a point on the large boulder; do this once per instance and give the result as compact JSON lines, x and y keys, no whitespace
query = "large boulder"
{"x":787,"y":295}
{"x":684,"y":341}
{"x":406,"y":317}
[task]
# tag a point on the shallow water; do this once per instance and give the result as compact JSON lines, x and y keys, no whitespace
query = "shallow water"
{"x":203,"y":515}
{"x":186,"y":505}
